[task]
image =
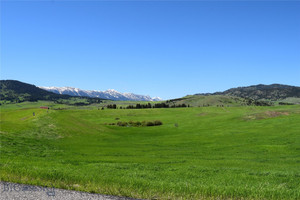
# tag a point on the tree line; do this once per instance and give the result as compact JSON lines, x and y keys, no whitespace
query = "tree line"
{"x":145,"y":106}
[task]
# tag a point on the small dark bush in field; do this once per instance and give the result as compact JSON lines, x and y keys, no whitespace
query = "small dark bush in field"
{"x":117,"y":118}
{"x":122,"y":123}
{"x":143,"y":123}
{"x":157,"y":123}
{"x":138,"y":123}
{"x":149,"y":124}
{"x":119,"y":123}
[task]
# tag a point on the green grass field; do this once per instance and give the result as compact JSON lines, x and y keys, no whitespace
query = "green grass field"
{"x":212,"y":100}
{"x":214,"y":152}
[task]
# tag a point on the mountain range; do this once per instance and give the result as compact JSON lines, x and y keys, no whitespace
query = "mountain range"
{"x":108,"y":94}
{"x":16,"y":91}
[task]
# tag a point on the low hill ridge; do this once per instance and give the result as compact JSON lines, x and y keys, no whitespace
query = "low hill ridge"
{"x":17,"y":91}
{"x":273,"y":92}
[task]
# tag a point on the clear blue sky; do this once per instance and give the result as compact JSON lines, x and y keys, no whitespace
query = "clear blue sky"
{"x":160,"y":48}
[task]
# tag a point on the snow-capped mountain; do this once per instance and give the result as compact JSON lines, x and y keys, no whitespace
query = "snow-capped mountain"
{"x":108,"y":94}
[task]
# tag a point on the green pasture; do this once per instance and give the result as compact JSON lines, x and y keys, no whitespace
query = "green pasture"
{"x":198,"y":152}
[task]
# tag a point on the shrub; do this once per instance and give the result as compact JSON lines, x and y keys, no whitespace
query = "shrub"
{"x":122,"y":123}
{"x":143,"y":123}
{"x":119,"y":123}
{"x":150,"y":124}
{"x":138,"y":123}
{"x":157,"y":123}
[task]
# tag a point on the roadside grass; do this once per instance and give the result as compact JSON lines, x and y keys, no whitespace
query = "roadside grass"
{"x":212,"y":152}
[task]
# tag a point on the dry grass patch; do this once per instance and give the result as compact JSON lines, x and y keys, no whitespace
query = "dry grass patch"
{"x":202,"y":114}
{"x":265,"y":115}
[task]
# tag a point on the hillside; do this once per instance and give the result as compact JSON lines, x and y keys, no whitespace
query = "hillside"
{"x":251,"y":95}
{"x":16,"y":91}
{"x":215,"y":100}
{"x":274,"y":92}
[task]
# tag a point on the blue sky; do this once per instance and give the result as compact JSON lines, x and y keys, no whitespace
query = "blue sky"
{"x":160,"y":48}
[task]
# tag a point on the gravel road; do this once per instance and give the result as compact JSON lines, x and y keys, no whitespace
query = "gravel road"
{"x":14,"y":191}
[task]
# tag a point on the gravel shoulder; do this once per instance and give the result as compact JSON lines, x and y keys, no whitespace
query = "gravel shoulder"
{"x":15,"y":191}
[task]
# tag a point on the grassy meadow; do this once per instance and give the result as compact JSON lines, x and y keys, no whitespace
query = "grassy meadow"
{"x":198,"y":153}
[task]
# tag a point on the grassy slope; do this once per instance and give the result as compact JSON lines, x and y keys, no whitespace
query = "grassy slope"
{"x":212,"y":100}
{"x":293,"y":100}
{"x":214,"y":152}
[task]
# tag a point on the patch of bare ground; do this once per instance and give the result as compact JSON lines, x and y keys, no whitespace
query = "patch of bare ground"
{"x":265,"y":115}
{"x":275,"y":114}
{"x":25,"y":108}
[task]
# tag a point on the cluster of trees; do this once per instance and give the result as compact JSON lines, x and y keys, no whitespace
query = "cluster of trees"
{"x":252,"y":102}
{"x":285,"y":103}
{"x":112,"y":106}
{"x":138,"y":123}
{"x":180,"y":105}
{"x":139,"y":106}
{"x":148,"y":105}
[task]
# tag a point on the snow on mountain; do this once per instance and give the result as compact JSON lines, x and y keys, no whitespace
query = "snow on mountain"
{"x":108,"y":94}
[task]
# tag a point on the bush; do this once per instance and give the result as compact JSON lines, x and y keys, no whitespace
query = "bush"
{"x":149,"y":124}
{"x":122,"y":123}
{"x":157,"y":123}
{"x":119,"y":123}
{"x":138,"y":123}
{"x":143,"y":123}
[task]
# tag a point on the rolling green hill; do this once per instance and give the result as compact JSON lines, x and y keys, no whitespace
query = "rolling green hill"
{"x":274,"y":92}
{"x":216,"y":100}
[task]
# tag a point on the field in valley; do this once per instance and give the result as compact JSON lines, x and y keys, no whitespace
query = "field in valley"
{"x":199,"y":152}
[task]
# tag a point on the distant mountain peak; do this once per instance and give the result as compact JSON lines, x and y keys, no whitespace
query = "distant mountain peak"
{"x":107,"y":94}
{"x":112,"y":90}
